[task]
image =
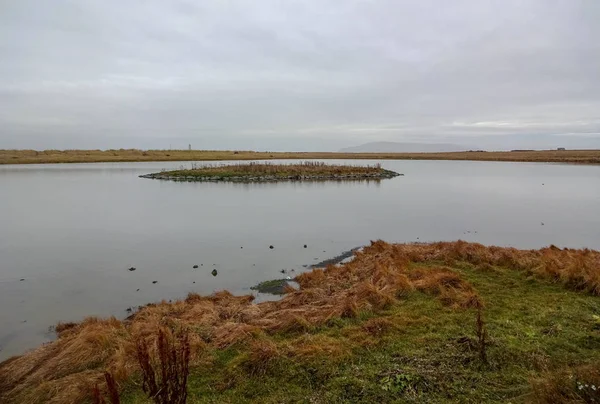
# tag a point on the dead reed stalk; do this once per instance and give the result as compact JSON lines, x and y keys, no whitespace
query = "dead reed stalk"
{"x":481,"y":331}
{"x":112,"y":389}
{"x":165,"y":379}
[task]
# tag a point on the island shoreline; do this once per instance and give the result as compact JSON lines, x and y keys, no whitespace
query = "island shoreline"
{"x":267,"y":172}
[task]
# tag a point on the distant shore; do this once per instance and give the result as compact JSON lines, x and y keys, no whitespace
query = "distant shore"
{"x":133,"y":155}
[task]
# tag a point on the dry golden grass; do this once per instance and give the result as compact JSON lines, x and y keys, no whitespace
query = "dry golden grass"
{"x":378,"y":326}
{"x":122,"y":155}
{"x":261,"y":354}
{"x":306,"y":168}
{"x":578,"y":269}
{"x":577,"y":385}
{"x":64,"y":371}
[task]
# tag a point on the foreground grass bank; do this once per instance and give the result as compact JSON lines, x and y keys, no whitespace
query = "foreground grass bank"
{"x":444,"y":322}
{"x":256,"y":172}
{"x":132,"y":155}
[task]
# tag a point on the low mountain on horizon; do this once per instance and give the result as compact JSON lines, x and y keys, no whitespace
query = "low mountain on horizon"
{"x":397,"y":147}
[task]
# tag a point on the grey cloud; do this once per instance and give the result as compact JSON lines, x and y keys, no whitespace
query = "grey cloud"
{"x":298,"y":75}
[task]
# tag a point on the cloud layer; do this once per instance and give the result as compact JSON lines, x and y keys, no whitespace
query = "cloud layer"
{"x":299,"y":75}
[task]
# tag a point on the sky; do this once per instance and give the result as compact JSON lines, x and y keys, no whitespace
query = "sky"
{"x":299,"y":75}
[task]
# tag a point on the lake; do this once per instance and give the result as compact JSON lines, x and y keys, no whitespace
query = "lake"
{"x":69,"y":233}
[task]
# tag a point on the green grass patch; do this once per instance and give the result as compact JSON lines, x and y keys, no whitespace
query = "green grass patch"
{"x":418,"y":350}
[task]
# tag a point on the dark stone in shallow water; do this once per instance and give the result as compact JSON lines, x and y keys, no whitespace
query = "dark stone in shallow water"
{"x":154,"y":281}
{"x":214,"y":272}
{"x":132,"y":269}
{"x":195,"y":266}
{"x":271,"y":247}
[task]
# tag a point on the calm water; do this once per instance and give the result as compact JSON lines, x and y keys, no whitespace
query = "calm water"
{"x":72,"y":231}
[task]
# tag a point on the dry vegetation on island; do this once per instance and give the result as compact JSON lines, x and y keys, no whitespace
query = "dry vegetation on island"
{"x":268,"y":171}
{"x":133,"y":155}
{"x":442,"y":322}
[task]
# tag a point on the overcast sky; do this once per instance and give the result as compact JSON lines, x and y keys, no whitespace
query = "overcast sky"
{"x":298,"y":75}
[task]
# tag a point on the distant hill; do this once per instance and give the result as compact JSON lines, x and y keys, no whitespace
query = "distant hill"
{"x":396,"y":147}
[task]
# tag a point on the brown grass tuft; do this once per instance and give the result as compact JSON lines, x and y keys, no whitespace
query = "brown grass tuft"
{"x":447,"y":285}
{"x":308,"y":347}
{"x":262,"y":353}
{"x":294,"y":323}
{"x":349,"y":308}
{"x":62,"y":328}
{"x":577,"y":385}
{"x":378,"y":298}
{"x":378,"y":326}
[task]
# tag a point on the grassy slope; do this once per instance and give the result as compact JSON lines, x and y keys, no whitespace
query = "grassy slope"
{"x":88,"y":156}
{"x":396,"y":324}
{"x":533,"y":326}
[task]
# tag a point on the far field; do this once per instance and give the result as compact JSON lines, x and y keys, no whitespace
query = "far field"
{"x":132,"y":155}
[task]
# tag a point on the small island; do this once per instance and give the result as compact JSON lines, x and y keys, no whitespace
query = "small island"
{"x":265,"y":172}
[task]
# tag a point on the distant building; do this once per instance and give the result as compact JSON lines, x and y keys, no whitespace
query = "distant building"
{"x":561,"y":149}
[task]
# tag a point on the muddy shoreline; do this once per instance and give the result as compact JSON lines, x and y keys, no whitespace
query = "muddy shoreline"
{"x":278,"y":286}
{"x":337,"y":259}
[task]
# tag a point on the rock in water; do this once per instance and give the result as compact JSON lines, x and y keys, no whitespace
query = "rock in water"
{"x":195,"y":266}
{"x":132,"y":269}
{"x":214,"y":272}
{"x":271,"y":247}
